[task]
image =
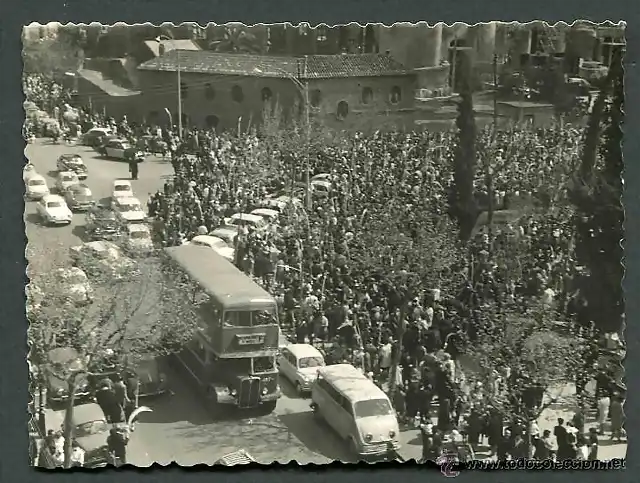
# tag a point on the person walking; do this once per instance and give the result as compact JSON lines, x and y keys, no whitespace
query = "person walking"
{"x":133,"y":167}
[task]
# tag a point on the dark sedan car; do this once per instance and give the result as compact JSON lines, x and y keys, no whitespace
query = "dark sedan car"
{"x":59,"y":362}
{"x":79,"y":197}
{"x":73,"y":163}
{"x":102,"y":224}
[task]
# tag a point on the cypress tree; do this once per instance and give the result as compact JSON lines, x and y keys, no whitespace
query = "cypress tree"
{"x":596,"y":194}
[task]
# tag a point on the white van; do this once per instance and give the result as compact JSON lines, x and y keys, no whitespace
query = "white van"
{"x":358,"y":410}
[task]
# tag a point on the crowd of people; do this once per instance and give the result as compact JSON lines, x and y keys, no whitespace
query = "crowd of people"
{"x":349,"y":271}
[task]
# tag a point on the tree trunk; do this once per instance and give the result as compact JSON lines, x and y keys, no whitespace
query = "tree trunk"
{"x":68,"y":421}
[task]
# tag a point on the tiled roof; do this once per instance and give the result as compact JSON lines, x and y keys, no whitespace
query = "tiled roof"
{"x":169,"y":45}
{"x":308,"y":67}
{"x":106,"y":85}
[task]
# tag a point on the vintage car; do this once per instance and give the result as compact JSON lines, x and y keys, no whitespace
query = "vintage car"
{"x":238,"y":220}
{"x":128,"y":209}
{"x":65,"y":180}
{"x":28,"y":171}
{"x":101,"y":223}
{"x":95,"y":136}
{"x":76,"y":285}
{"x":53,"y":210}
{"x":59,"y":361}
{"x":299,"y":364}
{"x":36,"y":187}
{"x":216,"y":244}
{"x":269,"y":215}
{"x":79,"y":197}
{"x":152,"y":144}
{"x":89,"y":428}
{"x":102,"y":258}
{"x":143,"y":376}
{"x":73,"y":163}
{"x":138,"y":239}
{"x":119,"y":149}
{"x":227,"y":234}
{"x":121,"y":189}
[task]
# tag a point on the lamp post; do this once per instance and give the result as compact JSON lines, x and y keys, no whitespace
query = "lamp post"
{"x":159,"y":39}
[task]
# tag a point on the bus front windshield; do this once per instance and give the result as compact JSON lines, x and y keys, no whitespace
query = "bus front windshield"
{"x":250,"y":318}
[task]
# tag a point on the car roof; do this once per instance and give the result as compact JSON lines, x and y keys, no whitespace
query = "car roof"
{"x":321,"y":182}
{"x":79,"y":187}
{"x":265,"y":211}
{"x":66,"y":173}
{"x":36,"y":176}
{"x":70,"y":155}
{"x":351,"y":382}
{"x":48,"y":198}
{"x":247,"y":216}
{"x":127,"y":200}
{"x":207,"y":238}
{"x":100,"y":129}
{"x":122,"y":182}
{"x":303,"y":350}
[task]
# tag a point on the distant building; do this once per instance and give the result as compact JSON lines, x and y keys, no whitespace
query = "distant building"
{"x":223,"y":90}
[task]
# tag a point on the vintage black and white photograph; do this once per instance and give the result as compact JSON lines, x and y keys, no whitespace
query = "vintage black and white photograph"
{"x":317,"y":243}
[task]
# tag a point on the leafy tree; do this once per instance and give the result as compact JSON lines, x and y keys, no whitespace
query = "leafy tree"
{"x":522,"y":360}
{"x":462,"y":204}
{"x":238,"y":40}
{"x":51,"y":56}
{"x":133,"y":316}
{"x":596,"y":193}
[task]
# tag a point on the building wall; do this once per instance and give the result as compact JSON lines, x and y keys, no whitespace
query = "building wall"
{"x":159,"y":91}
{"x":91,"y":96}
{"x":539,"y":116}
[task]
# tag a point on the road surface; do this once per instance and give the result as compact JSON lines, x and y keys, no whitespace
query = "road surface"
{"x":179,"y":428}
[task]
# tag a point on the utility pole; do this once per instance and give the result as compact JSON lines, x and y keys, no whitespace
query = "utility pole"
{"x":179,"y":95}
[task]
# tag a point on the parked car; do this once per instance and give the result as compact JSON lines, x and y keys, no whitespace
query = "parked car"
{"x":28,"y":171}
{"x":121,"y":189}
{"x":228,"y":235}
{"x":73,"y":163}
{"x":129,"y":209}
{"x":101,"y":223}
{"x":143,"y":375}
{"x":76,"y":285}
{"x":89,"y":428}
{"x":53,"y":210}
{"x":102,"y":258}
{"x":138,"y":240}
{"x":36,"y":187}
{"x":79,"y":197}
{"x":238,"y":220}
{"x":66,"y":179}
{"x":216,"y":244}
{"x":269,"y":215}
{"x":58,"y":363}
{"x":94,"y":136}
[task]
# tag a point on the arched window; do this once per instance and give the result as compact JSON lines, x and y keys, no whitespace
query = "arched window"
{"x":367,"y":95}
{"x":209,"y":92}
{"x":266,"y":94}
{"x":315,"y":98}
{"x":184,"y":91}
{"x":343,"y":110}
{"x":395,"y":96}
{"x":236,"y":93}
{"x":212,"y":121}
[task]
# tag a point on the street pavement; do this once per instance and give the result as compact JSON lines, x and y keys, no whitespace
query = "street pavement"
{"x":179,"y":428}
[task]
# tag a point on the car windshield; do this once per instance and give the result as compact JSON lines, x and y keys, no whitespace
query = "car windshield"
{"x":263,"y":364}
{"x":130,"y":207}
{"x":54,"y":204}
{"x":91,"y":427}
{"x":306,"y":362}
{"x":75,"y":160}
{"x":372,"y":408}
{"x":139,"y":234}
{"x":36,"y":182}
{"x":121,"y":187}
